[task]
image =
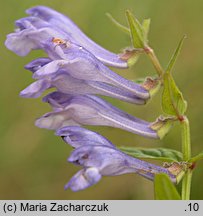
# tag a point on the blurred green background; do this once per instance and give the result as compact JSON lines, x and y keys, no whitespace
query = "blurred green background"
{"x":33,"y":161}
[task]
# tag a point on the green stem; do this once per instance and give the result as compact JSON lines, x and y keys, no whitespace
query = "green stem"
{"x":186,"y":150}
{"x":186,"y":185}
{"x":186,"y":146}
{"x":154,"y":60}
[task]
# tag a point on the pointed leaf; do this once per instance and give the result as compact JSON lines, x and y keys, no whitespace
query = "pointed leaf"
{"x":167,"y":100}
{"x":163,"y":154}
{"x":164,"y":188}
{"x":175,"y":55}
{"x":145,"y":27}
{"x":197,"y":157}
{"x":173,"y":102}
{"x":136,"y":30}
{"x":116,"y":23}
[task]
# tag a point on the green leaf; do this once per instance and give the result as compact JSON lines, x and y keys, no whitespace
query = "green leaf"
{"x":163,"y":154}
{"x":164,"y":188}
{"x":197,"y":157}
{"x":145,"y":27}
{"x":136,"y":30}
{"x":120,"y":26}
{"x":173,"y":102}
{"x":175,"y":55}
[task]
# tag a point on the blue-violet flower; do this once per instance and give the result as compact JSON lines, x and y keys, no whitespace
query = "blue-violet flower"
{"x":74,"y":70}
{"x":90,"y":110}
{"x":99,"y":157}
{"x":44,"y":23}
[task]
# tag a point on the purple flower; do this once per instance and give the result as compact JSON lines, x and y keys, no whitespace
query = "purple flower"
{"x":75,"y":67}
{"x":45,"y":23}
{"x":77,"y":136}
{"x":70,"y":85}
{"x":90,"y":110}
{"x":36,"y":64}
{"x":77,"y":71}
{"x":99,"y":157}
